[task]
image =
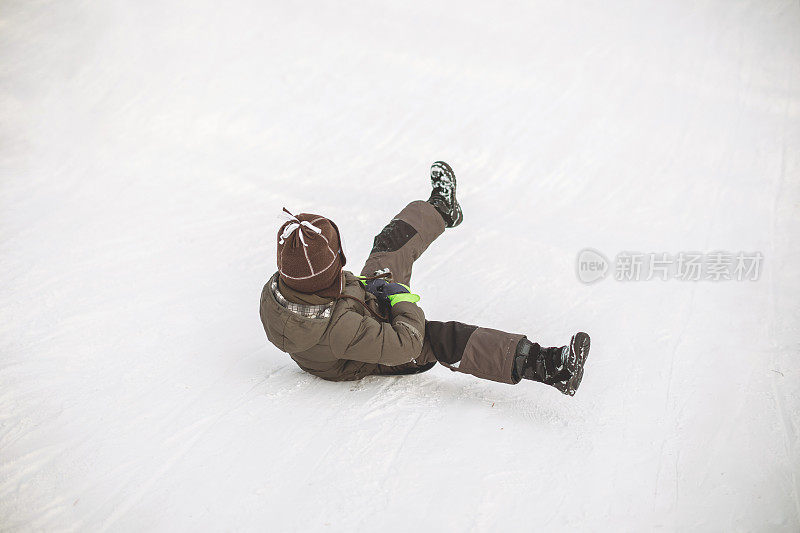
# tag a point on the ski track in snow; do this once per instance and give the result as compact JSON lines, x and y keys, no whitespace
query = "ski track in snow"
{"x":146,"y":151}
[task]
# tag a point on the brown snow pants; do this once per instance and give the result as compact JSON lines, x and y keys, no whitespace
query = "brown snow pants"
{"x":483,"y":352}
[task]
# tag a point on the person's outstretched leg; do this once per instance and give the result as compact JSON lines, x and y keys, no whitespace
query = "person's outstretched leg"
{"x":505,"y":357}
{"x":409,"y":233}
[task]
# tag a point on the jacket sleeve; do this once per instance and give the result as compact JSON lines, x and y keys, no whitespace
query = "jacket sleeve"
{"x":365,"y":339}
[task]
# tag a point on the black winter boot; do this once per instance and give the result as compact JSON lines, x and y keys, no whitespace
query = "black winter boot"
{"x":561,"y":368}
{"x":443,"y":196}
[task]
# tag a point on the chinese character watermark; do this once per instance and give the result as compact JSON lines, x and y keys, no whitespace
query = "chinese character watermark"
{"x":593,"y":266}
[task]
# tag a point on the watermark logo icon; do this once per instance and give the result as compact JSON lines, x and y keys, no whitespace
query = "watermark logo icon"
{"x":592,"y":265}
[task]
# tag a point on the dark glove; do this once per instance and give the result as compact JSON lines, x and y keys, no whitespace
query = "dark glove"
{"x":389,"y":294}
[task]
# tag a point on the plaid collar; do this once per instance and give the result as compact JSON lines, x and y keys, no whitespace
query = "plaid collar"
{"x":304,"y":310}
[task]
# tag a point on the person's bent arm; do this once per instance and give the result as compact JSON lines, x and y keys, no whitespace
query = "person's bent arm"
{"x":362,"y":338}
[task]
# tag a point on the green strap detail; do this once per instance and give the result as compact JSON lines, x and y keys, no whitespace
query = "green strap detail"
{"x":403,"y":297}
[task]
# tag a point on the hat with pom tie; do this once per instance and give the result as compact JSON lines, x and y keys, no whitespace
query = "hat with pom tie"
{"x":310,"y":257}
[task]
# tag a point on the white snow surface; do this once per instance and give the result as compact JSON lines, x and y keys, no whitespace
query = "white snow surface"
{"x":146,"y":151}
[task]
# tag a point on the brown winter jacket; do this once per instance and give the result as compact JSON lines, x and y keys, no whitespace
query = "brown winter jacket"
{"x":349,"y":343}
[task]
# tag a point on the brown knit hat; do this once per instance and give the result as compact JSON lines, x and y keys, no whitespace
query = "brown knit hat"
{"x":310,"y":257}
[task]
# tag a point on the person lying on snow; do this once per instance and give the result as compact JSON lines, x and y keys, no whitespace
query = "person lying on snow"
{"x":340,"y":327}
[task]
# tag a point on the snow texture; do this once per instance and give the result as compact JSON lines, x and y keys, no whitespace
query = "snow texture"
{"x":146,"y":151}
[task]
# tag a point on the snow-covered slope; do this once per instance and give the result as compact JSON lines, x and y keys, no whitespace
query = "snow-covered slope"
{"x":146,"y":149}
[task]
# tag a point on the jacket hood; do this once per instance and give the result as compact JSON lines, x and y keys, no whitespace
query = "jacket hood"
{"x":289,"y":331}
